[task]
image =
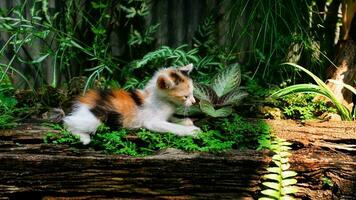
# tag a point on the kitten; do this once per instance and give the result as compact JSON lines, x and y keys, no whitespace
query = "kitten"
{"x":151,"y":108}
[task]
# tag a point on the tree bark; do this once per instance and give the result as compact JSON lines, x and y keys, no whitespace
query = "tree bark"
{"x":30,"y":168}
{"x":345,"y":72}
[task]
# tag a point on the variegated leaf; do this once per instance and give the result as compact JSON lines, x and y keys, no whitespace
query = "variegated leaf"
{"x":204,"y":92}
{"x":227,"y":80}
{"x":208,"y":109}
{"x":233,"y":98}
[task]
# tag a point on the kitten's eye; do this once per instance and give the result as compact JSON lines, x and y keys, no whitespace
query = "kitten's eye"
{"x":185,"y":97}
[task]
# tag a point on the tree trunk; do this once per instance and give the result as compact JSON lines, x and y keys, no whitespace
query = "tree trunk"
{"x":32,"y":170}
{"x":345,"y":69}
{"x":345,"y":72}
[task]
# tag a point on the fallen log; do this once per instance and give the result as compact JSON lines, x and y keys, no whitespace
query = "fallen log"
{"x":30,"y":168}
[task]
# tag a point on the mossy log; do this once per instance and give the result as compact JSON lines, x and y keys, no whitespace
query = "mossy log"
{"x":32,"y":170}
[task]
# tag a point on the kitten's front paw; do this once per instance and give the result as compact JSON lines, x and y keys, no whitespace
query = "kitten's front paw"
{"x":194,"y":131}
{"x":187,"y":122}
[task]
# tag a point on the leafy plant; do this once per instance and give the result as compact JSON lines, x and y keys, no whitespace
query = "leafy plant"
{"x":70,"y":31}
{"x":218,"y":99}
{"x":275,"y":30}
{"x":327,"y":182}
{"x":8,"y":103}
{"x":279,"y":179}
{"x":303,"y":106}
{"x":321,"y":88}
{"x":246,"y":134}
{"x":231,"y":133}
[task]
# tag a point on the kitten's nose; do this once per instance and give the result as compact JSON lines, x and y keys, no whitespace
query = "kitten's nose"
{"x":192,"y":100}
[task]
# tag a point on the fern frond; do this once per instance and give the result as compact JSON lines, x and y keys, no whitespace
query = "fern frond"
{"x":280,"y":182}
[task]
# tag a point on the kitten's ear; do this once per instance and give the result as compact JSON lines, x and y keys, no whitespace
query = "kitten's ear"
{"x":186,"y":69}
{"x":164,"y":82}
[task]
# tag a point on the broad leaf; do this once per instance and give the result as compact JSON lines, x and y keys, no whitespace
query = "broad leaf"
{"x":227,"y":80}
{"x":208,"y":109}
{"x":232,"y":98}
{"x":190,"y":111}
{"x":204,"y":92}
{"x":272,"y":193}
{"x":266,"y":198}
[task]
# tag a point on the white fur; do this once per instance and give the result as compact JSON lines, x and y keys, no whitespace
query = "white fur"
{"x":157,"y":111}
{"x":82,"y":122}
{"x":153,"y":114}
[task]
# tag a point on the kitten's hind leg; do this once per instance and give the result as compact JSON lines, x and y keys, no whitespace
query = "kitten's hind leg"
{"x":82,"y":122}
{"x":83,"y":137}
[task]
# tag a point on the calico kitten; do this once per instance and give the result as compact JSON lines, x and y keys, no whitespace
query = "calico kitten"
{"x":151,"y":108}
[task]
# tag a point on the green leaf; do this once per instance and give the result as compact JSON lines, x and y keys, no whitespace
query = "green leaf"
{"x":285,"y":148}
{"x":285,"y":154}
{"x":40,"y":59}
{"x":321,"y":89}
{"x":276,"y":170}
{"x":275,"y":177}
{"x":208,"y":109}
{"x":287,"y":174}
{"x":276,"y":157}
{"x":204,"y":92}
{"x":298,"y":88}
{"x":289,"y":190}
{"x":272,"y":185}
{"x":287,"y":198}
{"x":266,"y":198}
{"x":290,"y":181}
{"x":189,"y":111}
{"x":284,"y":160}
{"x":271,"y":193}
{"x":286,"y":143}
{"x":285,"y":166}
{"x":227,"y":80}
{"x":232,"y":98}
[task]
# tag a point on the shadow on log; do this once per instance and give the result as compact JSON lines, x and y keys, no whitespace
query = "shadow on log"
{"x":32,"y":170}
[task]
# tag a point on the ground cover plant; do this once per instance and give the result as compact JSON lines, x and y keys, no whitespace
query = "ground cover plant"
{"x":223,"y":134}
